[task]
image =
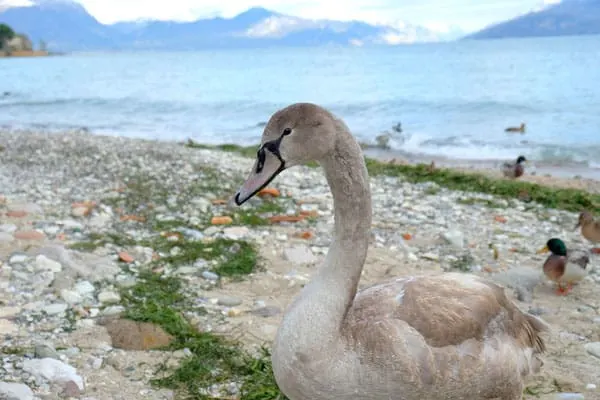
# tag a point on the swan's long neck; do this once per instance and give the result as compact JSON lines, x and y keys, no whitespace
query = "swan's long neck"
{"x":323,"y":303}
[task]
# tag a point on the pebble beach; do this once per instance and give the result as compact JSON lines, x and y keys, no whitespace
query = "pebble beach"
{"x":122,"y":261}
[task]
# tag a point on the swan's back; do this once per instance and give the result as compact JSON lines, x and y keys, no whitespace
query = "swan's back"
{"x":454,"y":332}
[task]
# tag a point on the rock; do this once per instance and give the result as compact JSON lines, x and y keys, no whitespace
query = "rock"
{"x":236,"y":232}
{"x":6,"y":237}
{"x":8,"y":228}
{"x":209,"y":275}
{"x":71,"y":390}
{"x":229,"y":301}
{"x":9,"y":312}
{"x":85,"y":288}
{"x":593,"y":348}
{"x":266,"y":311}
{"x":131,"y":335}
{"x":79,"y":212}
{"x":29,"y":235}
{"x":44,"y":263}
{"x":55,"y":309}
{"x":126,"y":257}
{"x":18,"y":258}
{"x":7,"y":327}
{"x":300,"y":254}
{"x":15,"y":391}
{"x":455,"y":238}
{"x":569,"y":396}
{"x":16,"y":214}
{"x":71,"y":297}
{"x":108,"y":297}
{"x":51,"y":370}
{"x":45,"y":351}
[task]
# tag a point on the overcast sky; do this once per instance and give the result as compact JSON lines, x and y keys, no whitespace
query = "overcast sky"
{"x":467,"y":14}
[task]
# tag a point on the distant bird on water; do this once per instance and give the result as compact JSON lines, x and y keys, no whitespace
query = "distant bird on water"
{"x":520,"y":128}
{"x":514,"y":170}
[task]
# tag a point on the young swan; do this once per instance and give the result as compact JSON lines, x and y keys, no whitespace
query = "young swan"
{"x":451,"y":336}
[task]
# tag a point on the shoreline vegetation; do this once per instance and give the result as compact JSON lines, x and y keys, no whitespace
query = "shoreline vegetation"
{"x":562,"y":198}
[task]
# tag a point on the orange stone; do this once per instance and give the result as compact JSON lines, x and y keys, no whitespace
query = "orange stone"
{"x":500,"y":219}
{"x":219,"y":202}
{"x":16,"y":214}
{"x":406,"y":236}
{"x":29,"y":235}
{"x":125,"y":257}
{"x":135,"y":218}
{"x":224,"y":220}
{"x":269,"y":192}
{"x":286,"y":218}
{"x":311,"y":213}
{"x":305,"y":235}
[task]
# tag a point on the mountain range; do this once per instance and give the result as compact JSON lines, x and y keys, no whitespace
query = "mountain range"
{"x":567,"y":18}
{"x":65,"y":25}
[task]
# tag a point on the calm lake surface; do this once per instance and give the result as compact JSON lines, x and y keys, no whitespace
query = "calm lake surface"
{"x":453,"y":99}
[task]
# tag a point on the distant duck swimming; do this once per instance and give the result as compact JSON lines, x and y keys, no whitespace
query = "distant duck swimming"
{"x":514,"y":170}
{"x":563,"y":266}
{"x":520,"y":128}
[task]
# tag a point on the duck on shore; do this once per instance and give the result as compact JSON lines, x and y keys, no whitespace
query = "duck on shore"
{"x":563,"y":266}
{"x":514,"y":170}
{"x":590,"y":228}
{"x":520,"y":128}
{"x":448,"y":336}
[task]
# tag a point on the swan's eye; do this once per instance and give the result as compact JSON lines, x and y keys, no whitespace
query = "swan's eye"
{"x":286,"y":131}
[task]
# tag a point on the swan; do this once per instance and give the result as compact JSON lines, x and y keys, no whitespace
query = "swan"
{"x":449,"y":336}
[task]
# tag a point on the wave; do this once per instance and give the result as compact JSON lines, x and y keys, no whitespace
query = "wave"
{"x":466,"y":147}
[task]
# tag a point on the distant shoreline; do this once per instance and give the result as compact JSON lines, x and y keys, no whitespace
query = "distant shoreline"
{"x":29,"y":53}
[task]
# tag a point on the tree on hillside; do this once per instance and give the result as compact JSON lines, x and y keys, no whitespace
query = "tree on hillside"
{"x":6,"y":34}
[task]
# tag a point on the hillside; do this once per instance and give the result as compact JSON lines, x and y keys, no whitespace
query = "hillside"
{"x":67,"y":26}
{"x":570,"y":17}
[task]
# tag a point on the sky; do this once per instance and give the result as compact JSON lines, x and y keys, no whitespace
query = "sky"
{"x":468,"y":15}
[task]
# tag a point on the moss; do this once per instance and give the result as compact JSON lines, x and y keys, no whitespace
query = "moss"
{"x":255,"y":216}
{"x":214,"y":360}
{"x":15,"y":351}
{"x":484,"y":202}
{"x":567,"y":199}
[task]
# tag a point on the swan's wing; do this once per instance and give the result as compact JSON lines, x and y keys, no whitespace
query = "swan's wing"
{"x":446,"y":310}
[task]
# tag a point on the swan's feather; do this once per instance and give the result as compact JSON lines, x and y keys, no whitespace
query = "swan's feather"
{"x":443,"y":328}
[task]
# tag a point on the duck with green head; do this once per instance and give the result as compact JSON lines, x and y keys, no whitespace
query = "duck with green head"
{"x":563,"y":266}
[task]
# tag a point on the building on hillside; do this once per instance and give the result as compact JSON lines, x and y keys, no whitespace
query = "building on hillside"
{"x":19,"y":43}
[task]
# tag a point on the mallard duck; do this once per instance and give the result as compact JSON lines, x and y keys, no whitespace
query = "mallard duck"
{"x":590,"y":229}
{"x":520,"y":128}
{"x":514,"y":170}
{"x":562,"y":266}
{"x":451,"y":336}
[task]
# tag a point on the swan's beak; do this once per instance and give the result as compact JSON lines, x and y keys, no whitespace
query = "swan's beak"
{"x":264,"y":170}
{"x":544,"y":249}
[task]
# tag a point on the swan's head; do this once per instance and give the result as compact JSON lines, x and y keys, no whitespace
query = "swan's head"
{"x":294,"y":135}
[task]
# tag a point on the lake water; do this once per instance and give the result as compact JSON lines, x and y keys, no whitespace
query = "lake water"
{"x":452,"y":99}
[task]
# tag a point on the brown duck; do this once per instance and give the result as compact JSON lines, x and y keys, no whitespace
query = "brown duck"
{"x":520,"y":128}
{"x":514,"y":170}
{"x":562,"y":266}
{"x":590,"y":229}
